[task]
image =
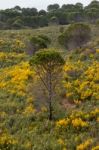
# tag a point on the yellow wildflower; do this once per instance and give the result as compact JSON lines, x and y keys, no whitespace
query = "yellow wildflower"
{"x":96,"y":147}
{"x":85,"y":145}
{"x":62,"y":123}
{"x":78,"y":122}
{"x":61,"y":142}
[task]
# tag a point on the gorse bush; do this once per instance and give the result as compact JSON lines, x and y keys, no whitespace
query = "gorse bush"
{"x":14,"y":45}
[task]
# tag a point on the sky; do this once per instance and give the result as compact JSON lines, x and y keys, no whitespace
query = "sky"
{"x":39,"y":4}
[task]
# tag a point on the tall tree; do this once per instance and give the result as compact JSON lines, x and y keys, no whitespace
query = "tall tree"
{"x":53,"y":7}
{"x":48,"y":66}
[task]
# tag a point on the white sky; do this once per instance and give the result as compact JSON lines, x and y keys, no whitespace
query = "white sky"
{"x":40,"y":4}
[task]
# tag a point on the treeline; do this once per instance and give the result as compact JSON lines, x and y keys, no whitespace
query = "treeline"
{"x":17,"y":17}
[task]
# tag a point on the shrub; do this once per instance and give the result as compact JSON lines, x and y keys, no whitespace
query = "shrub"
{"x":75,"y":36}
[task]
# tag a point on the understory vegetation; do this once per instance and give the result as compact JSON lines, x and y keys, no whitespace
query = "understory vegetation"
{"x":24,"y":108}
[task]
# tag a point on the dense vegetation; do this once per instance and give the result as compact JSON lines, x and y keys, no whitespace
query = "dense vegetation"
{"x":17,"y":17}
{"x":75,"y":36}
{"x":24,"y":123}
{"x":49,"y":91}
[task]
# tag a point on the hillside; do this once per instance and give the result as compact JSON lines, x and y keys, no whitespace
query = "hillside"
{"x":24,"y":123}
{"x":52,"y":32}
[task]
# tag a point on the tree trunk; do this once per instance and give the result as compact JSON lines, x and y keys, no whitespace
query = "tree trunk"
{"x":50,"y":95}
{"x":50,"y":111}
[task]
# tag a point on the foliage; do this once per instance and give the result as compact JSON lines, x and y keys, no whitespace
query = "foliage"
{"x":15,"y":45}
{"x":39,"y":42}
{"x":76,"y":36}
{"x":24,"y":123}
{"x":18,"y":18}
{"x":77,"y":72}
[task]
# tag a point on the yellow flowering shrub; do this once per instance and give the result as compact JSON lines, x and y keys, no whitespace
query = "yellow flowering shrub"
{"x":79,"y":119}
{"x":61,"y":141}
{"x":13,"y":45}
{"x":96,"y":147}
{"x":97,"y":50}
{"x":95,"y":112}
{"x":13,"y":79}
{"x":73,"y":120}
{"x":28,"y":145}
{"x":78,"y":122}
{"x":9,"y":56}
{"x":29,"y":110}
{"x":81,"y":80}
{"x":17,"y":45}
{"x":97,"y":119}
{"x":3,"y":55}
{"x":62,"y":123}
{"x":85,"y":145}
{"x":6,"y":140}
{"x":2,"y":42}
{"x":3,"y":114}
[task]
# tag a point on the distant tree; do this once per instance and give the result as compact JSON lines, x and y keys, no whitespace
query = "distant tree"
{"x":43,"y":21}
{"x":29,"y":11}
{"x":53,"y":7}
{"x":10,"y":13}
{"x":31,"y":21}
{"x":92,"y":11}
{"x":17,"y":8}
{"x":79,"y":6}
{"x":54,"y":21}
{"x":93,"y":4}
{"x":62,"y":17}
{"x":68,"y":7}
{"x":75,"y":17}
{"x":92,"y":14}
{"x":2,"y":25}
{"x":48,"y":66}
{"x":42,"y":12}
{"x":75,"y":36}
{"x":67,"y":14}
{"x":34,"y":11}
{"x":97,"y":23}
{"x":17,"y":24}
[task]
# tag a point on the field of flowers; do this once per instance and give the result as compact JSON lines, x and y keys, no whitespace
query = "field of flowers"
{"x":25,"y":127}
